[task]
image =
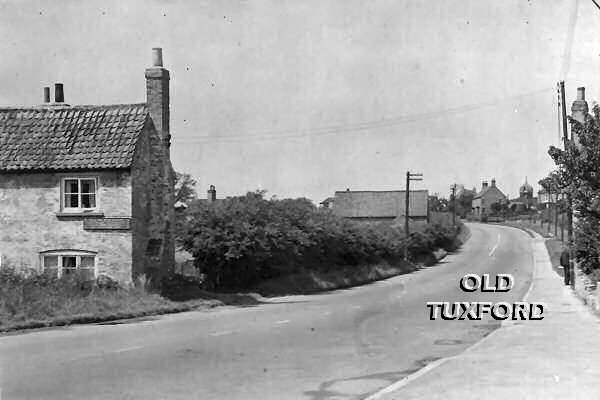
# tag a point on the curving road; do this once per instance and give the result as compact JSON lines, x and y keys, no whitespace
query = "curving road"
{"x":346,"y":344}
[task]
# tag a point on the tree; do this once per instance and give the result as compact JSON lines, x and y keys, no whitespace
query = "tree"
{"x":438,"y":204}
{"x":185,"y":188}
{"x":464,"y":203}
{"x":579,"y":176}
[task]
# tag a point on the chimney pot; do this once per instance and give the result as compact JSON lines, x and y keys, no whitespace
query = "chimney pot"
{"x":580,"y":93}
{"x":59,"y":94}
{"x":157,"y":60}
{"x":46,"y":94}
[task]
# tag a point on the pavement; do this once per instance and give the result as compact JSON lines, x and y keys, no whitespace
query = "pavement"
{"x":554,"y":358}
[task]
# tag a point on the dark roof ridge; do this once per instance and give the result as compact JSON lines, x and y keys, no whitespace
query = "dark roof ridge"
{"x":62,"y":106}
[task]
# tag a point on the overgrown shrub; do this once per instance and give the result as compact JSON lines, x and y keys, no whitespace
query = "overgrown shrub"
{"x":241,"y":241}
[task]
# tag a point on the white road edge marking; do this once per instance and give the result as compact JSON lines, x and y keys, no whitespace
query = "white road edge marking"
{"x":495,"y":246}
{"x":326,"y":313}
{"x":285,"y":321}
{"x":407,"y":379}
{"x":128,"y":349}
{"x":221,"y":333}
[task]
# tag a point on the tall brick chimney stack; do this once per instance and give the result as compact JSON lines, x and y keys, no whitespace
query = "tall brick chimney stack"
{"x":157,"y":95}
{"x":580,"y":109}
{"x":211,"y":194}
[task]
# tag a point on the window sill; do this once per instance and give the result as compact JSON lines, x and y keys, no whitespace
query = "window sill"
{"x":84,"y":214}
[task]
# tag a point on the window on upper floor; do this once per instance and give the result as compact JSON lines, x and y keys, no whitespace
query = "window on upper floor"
{"x":79,"y":194}
{"x":69,"y":262}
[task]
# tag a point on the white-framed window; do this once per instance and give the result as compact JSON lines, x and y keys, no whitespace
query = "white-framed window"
{"x":79,"y":194}
{"x":69,"y":262}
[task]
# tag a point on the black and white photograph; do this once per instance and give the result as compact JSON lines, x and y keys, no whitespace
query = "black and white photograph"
{"x":299,"y":200}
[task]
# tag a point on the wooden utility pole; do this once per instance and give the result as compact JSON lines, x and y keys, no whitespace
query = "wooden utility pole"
{"x":549,"y":213}
{"x":409,"y":177}
{"x":569,"y":201}
{"x":453,"y":187}
{"x":555,"y":214}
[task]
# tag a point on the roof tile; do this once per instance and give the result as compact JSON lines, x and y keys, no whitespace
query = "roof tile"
{"x":77,"y":137}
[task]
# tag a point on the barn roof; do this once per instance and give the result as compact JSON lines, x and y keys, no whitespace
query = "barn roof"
{"x":380,"y":204}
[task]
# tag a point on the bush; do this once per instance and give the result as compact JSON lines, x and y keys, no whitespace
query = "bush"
{"x":244,"y":240}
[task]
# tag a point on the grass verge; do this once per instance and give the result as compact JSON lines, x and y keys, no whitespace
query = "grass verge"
{"x":306,"y":282}
{"x":38,"y":301}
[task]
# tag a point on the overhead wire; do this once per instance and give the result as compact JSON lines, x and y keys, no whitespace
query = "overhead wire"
{"x":362,"y":126}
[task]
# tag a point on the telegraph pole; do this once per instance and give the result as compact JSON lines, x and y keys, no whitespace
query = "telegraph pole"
{"x":409,"y":177}
{"x":555,"y":213}
{"x":453,"y":187}
{"x":569,"y":201}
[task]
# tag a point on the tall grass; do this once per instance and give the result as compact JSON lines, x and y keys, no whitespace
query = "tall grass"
{"x":43,"y":300}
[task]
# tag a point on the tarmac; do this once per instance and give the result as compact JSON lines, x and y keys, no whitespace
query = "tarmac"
{"x":557,"y":357}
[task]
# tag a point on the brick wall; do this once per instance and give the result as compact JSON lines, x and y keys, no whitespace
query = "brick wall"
{"x":29,"y":224}
{"x":152,"y":207}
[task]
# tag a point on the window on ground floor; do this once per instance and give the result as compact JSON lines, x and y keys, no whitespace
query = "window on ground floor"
{"x":66,"y":263}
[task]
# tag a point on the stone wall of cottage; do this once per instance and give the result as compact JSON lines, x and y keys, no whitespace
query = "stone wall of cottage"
{"x":152,"y":207}
{"x":29,"y":224}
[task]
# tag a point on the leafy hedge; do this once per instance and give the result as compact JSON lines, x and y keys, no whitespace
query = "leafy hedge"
{"x":241,"y":241}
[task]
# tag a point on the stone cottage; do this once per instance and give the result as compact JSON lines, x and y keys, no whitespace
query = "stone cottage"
{"x":89,"y":189}
{"x":482,"y":202}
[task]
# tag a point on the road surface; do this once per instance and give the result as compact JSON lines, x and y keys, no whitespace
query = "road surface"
{"x":346,"y":344}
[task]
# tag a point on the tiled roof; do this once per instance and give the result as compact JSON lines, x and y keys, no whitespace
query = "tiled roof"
{"x":483,"y":191}
{"x":486,"y":189}
{"x":69,"y":137}
{"x":380,"y":204}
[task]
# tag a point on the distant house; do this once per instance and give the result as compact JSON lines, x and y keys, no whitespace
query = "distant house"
{"x":88,"y":190}
{"x":327,"y":203}
{"x":380,"y":206}
{"x":545,"y":197}
{"x":482,"y":202}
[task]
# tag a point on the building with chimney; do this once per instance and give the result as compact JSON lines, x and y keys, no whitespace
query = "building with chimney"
{"x":369,"y":206}
{"x":89,"y":189}
{"x":526,"y":195}
{"x":489,"y":195}
{"x":579,"y":111}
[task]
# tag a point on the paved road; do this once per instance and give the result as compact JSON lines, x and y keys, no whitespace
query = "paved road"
{"x":341,"y":345}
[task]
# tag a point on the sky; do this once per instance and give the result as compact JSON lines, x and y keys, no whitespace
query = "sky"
{"x":303,"y":98}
